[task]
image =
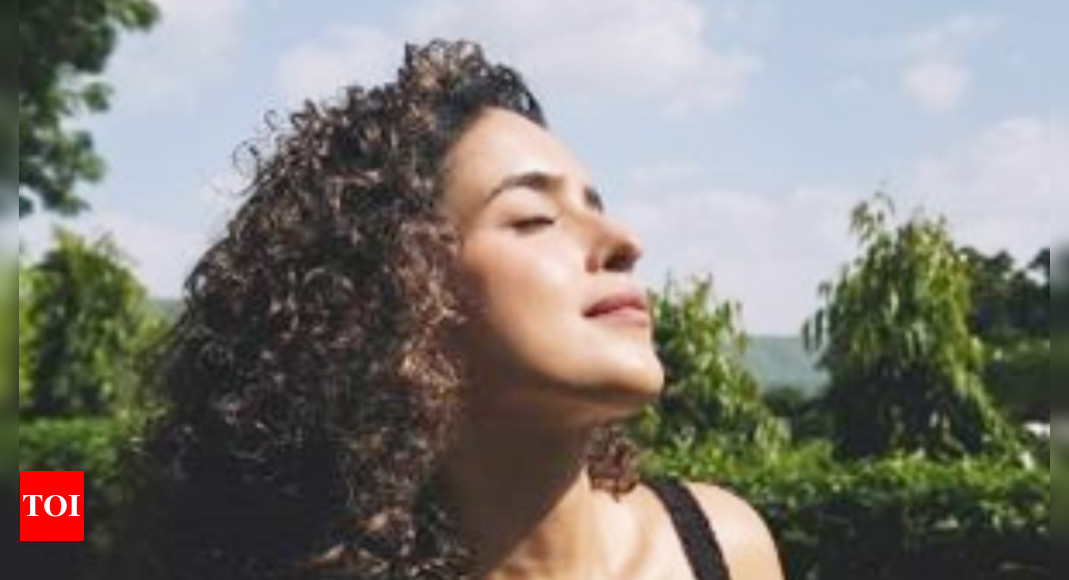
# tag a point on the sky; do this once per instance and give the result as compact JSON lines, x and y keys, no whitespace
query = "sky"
{"x":733,"y":137}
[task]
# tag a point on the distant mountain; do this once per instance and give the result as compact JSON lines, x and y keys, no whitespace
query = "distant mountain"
{"x":168,"y":308}
{"x":783,"y":361}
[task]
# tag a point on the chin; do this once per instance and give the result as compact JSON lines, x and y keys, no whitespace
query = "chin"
{"x":635,"y":400}
{"x":584,"y":395}
{"x":625,"y":397}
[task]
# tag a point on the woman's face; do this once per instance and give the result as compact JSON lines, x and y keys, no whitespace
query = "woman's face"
{"x":540,"y":256}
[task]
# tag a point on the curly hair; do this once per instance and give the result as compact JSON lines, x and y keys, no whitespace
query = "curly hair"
{"x":309,"y":390}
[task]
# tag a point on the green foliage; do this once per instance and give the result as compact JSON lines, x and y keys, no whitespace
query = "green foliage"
{"x":1009,"y":304}
{"x":1018,"y":377}
{"x":63,"y":45}
{"x":26,"y":331}
{"x":803,"y":412}
{"x":90,"y":322}
{"x":1011,"y":314}
{"x":95,"y":447}
{"x":901,"y":517}
{"x":708,"y":396}
{"x":905,"y":369}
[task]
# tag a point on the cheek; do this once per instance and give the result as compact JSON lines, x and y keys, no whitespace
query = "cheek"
{"x":526,"y":296}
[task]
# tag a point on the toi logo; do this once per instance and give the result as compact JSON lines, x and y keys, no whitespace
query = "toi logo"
{"x":52,"y":506}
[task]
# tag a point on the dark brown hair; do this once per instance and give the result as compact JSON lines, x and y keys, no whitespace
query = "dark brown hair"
{"x":308,"y":390}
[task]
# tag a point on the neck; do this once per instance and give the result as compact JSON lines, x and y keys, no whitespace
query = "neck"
{"x":525,"y":502}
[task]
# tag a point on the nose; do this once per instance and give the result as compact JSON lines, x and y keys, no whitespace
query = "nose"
{"x":617,"y":249}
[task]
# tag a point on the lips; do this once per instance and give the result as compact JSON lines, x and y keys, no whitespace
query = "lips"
{"x":619,"y":303}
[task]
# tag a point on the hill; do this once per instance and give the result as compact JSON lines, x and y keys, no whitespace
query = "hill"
{"x":783,"y":361}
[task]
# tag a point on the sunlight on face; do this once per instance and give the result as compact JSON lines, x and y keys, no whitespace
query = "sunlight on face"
{"x":539,"y":252}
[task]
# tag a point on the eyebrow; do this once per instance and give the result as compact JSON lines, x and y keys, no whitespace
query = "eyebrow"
{"x":544,"y":183}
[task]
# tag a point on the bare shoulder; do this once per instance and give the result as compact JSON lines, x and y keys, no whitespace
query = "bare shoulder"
{"x":748,"y":547}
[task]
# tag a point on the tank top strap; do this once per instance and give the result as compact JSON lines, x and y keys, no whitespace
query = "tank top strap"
{"x":693,"y":528}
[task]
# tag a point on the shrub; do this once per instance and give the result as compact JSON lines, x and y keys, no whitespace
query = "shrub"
{"x":87,"y":320}
{"x":899,"y":517}
{"x":89,"y":445}
{"x":905,"y":367}
{"x":893,"y":519}
{"x":709,"y":397}
{"x":1019,"y":379}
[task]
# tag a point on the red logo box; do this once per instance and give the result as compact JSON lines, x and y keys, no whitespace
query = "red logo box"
{"x":53,"y":506}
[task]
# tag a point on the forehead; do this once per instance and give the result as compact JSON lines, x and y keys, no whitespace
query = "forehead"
{"x":500,"y":144}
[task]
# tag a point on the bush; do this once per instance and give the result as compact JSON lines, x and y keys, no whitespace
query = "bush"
{"x":1019,"y":379}
{"x":891,"y":519}
{"x":89,"y":445}
{"x":88,"y":320}
{"x":905,"y":368}
{"x":802,"y":412}
{"x":902,"y":518}
{"x":709,"y":397}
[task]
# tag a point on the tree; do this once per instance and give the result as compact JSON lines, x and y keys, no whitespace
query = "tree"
{"x":1037,"y":298}
{"x":905,"y":368}
{"x":801,"y":410}
{"x":90,"y":321}
{"x":1018,"y":377}
{"x":63,"y":45}
{"x":1011,"y":315}
{"x":1040,"y":266}
{"x":709,"y":396}
{"x":1009,"y":303}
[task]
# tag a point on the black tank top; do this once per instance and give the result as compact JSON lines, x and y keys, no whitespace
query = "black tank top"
{"x":699,"y":542}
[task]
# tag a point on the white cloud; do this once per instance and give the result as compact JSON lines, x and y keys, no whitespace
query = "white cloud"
{"x":951,"y":38}
{"x":159,"y":253}
{"x":344,"y":55}
{"x":194,"y":42}
{"x":651,"y":50}
{"x":769,"y":252}
{"x":998,"y":189}
{"x":933,"y":64}
{"x":936,"y":75}
{"x":648,"y":49}
{"x":937,"y":87}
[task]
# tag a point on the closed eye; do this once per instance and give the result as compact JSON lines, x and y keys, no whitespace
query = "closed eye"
{"x":534,"y":223}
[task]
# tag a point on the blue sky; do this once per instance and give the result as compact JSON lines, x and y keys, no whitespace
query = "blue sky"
{"x":733,"y":136}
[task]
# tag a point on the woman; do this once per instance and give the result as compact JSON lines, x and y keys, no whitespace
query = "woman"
{"x":409,"y":357}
